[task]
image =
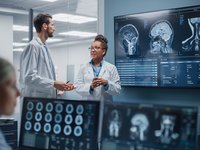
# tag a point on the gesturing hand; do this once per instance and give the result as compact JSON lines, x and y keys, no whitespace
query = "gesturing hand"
{"x":97,"y":82}
{"x":62,"y":86}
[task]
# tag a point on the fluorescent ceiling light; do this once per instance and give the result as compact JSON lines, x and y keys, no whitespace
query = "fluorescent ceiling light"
{"x":51,"y":40}
{"x":72,"y":18}
{"x":18,"y":49}
{"x":25,"y":39}
{"x":49,"y":0}
{"x":21,"y":28}
{"x":13,"y":11}
{"x":19,"y":44}
{"x":79,"y":33}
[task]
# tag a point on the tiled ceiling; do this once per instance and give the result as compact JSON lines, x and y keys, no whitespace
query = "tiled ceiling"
{"x":78,"y":7}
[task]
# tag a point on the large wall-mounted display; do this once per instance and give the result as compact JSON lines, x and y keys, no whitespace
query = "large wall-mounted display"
{"x":142,"y":127}
{"x":159,"y":49}
{"x":55,"y":124}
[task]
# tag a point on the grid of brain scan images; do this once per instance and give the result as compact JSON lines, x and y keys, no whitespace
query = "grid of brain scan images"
{"x":159,"y":49}
{"x":142,"y":127}
{"x":59,"y":124}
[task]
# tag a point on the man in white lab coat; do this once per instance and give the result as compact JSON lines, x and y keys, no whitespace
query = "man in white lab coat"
{"x":98,"y":79}
{"x":37,"y":71}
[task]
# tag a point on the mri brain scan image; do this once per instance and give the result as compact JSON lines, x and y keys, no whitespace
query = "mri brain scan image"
{"x":128,"y":37}
{"x":114,"y":123}
{"x":161,"y":34}
{"x":139,"y":127}
{"x":193,"y":42}
{"x":166,"y":133}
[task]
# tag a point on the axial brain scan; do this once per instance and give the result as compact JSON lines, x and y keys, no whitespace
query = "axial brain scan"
{"x":161,"y":34}
{"x":114,"y":123}
{"x":193,"y":42}
{"x":128,"y":37}
{"x":166,"y":132}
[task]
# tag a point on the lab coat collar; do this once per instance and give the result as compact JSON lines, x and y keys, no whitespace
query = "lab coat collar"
{"x":92,"y":63}
{"x":47,"y":58}
{"x":39,"y":41}
{"x":102,"y":67}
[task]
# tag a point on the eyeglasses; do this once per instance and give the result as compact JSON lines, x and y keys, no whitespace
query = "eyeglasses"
{"x":95,"y":48}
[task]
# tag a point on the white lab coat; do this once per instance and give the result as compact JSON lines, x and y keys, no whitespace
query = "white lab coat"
{"x":37,"y":71}
{"x":84,"y":79}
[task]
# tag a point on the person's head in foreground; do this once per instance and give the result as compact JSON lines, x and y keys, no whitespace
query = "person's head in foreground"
{"x":8,"y":89}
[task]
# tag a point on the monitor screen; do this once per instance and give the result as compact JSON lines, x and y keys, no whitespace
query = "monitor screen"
{"x":159,"y":49}
{"x":55,"y":124}
{"x":143,"y":127}
{"x":9,"y":129}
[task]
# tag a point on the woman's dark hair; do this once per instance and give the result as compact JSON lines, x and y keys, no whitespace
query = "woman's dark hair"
{"x":39,"y":20}
{"x":103,"y":40}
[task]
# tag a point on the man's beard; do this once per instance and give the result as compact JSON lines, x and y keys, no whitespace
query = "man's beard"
{"x":49,"y":34}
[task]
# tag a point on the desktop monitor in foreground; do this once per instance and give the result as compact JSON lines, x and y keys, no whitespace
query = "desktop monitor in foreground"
{"x":137,"y":127}
{"x":53,"y":124}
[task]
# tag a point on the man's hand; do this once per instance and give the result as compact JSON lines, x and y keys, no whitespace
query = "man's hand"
{"x":59,"y":85}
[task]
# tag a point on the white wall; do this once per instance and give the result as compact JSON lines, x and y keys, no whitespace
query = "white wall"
{"x":6,"y":37}
{"x":75,"y":54}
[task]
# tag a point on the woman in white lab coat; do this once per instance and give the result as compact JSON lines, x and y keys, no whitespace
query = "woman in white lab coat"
{"x":8,"y":95}
{"x":98,"y":79}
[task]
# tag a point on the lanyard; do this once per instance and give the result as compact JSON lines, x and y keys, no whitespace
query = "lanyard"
{"x":96,"y":70}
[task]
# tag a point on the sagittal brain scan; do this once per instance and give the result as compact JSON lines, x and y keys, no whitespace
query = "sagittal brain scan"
{"x":192,"y":43}
{"x":128,"y":37}
{"x":139,"y":125}
{"x":59,"y":124}
{"x":161,"y":34}
{"x":153,"y":127}
{"x":159,"y":49}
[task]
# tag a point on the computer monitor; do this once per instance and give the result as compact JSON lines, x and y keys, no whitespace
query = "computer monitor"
{"x":9,"y":129}
{"x":149,"y":127}
{"x":159,"y":49}
{"x":57,"y":124}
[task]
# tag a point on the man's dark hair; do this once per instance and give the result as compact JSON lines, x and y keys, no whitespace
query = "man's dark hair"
{"x":103,"y":40}
{"x":39,"y":20}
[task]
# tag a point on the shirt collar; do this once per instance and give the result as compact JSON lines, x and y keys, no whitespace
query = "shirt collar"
{"x":100,"y":65}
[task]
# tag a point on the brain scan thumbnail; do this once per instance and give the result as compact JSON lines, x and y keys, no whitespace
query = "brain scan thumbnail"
{"x":128,"y":37}
{"x":115,"y":121}
{"x":161,"y":34}
{"x":139,"y":125}
{"x":59,"y":124}
{"x":166,"y":132}
{"x":192,"y":43}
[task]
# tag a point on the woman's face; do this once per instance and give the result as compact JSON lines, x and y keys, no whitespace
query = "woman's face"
{"x":97,"y":50}
{"x":8,"y":96}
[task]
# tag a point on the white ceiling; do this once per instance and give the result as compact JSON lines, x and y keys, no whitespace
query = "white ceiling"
{"x":20,"y":9}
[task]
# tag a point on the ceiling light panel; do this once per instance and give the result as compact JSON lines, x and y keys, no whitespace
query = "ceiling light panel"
{"x":21,"y":28}
{"x":16,"y":44}
{"x":49,"y":0}
{"x":78,"y":33}
{"x":73,"y":18}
